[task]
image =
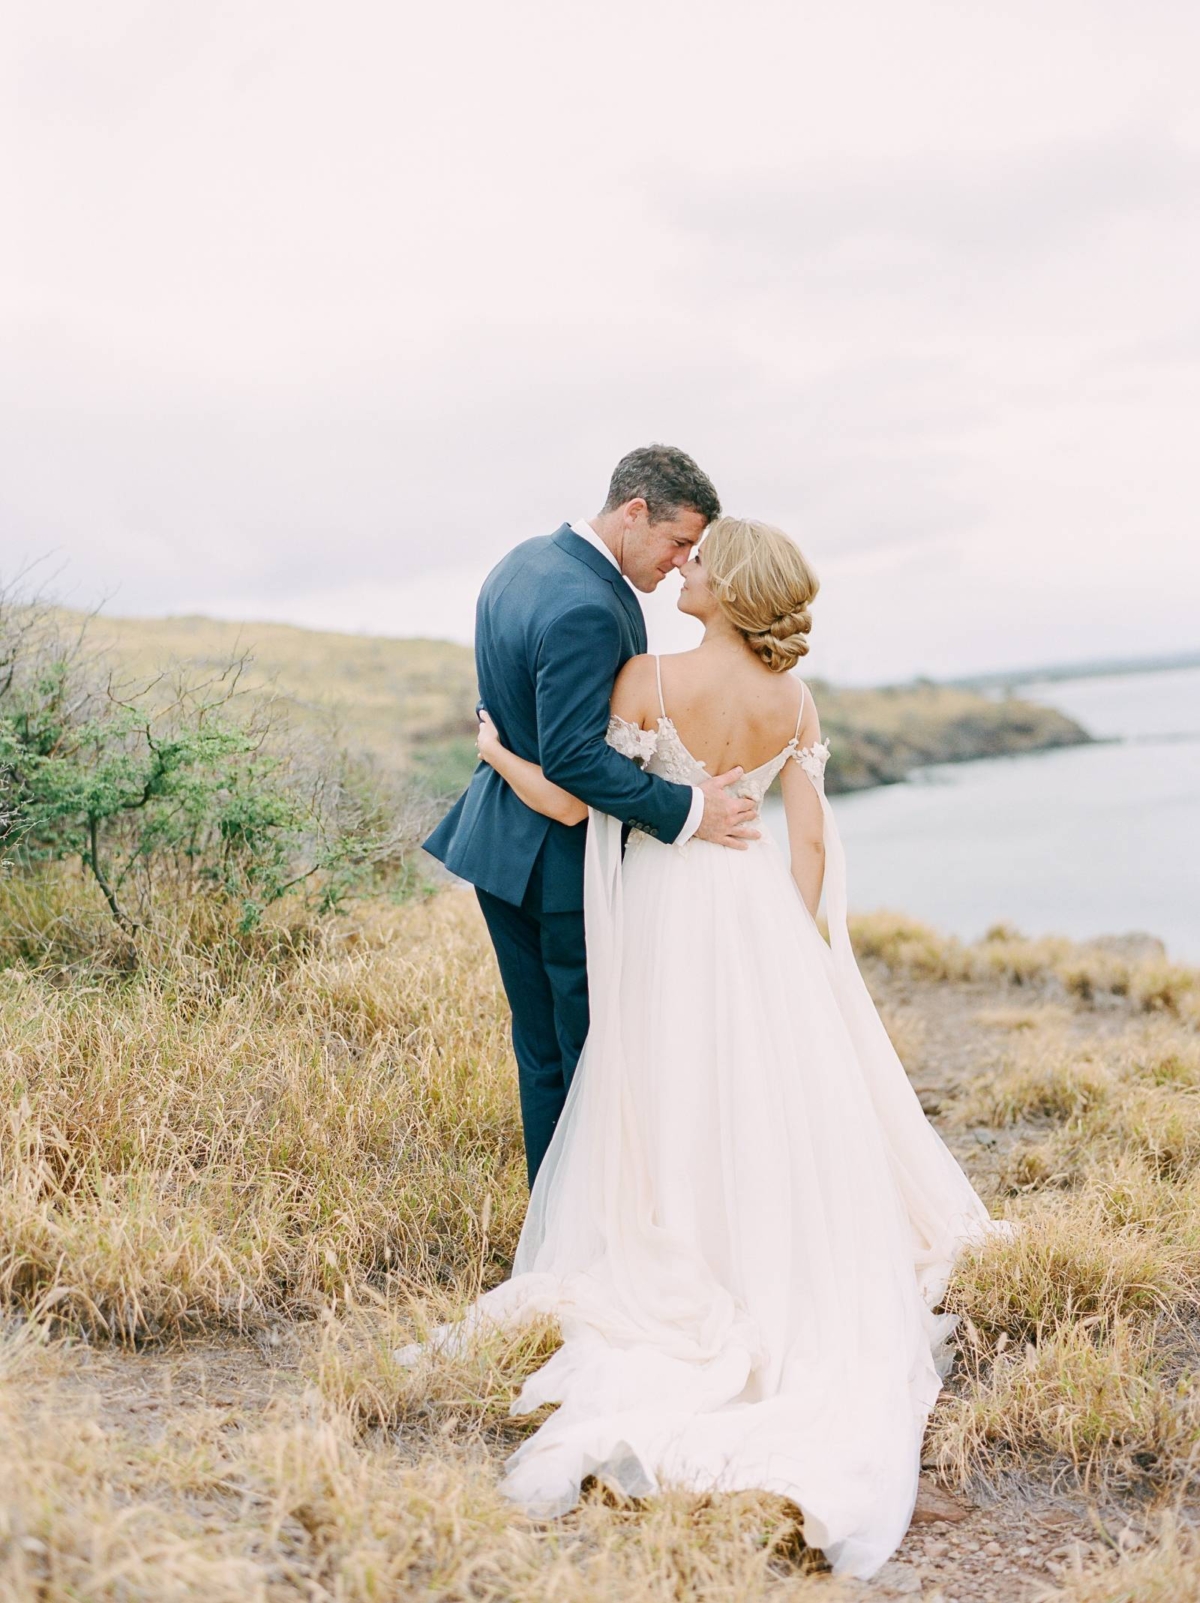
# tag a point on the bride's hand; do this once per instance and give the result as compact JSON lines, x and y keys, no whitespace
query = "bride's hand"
{"x":487,"y":738}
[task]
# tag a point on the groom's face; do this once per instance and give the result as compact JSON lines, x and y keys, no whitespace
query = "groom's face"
{"x":653,"y":550}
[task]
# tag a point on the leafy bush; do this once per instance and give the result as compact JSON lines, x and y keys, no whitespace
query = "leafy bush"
{"x":179,"y":797}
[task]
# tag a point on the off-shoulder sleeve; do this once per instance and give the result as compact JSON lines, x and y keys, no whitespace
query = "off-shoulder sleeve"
{"x":813,"y":759}
{"x":631,"y":740}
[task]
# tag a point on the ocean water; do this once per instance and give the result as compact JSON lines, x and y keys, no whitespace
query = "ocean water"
{"x":1092,"y":840}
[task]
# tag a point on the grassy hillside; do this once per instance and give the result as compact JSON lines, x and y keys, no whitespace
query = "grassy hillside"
{"x":410,"y":703}
{"x":407,"y":702}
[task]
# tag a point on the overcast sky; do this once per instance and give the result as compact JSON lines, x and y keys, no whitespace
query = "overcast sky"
{"x":313,"y":310}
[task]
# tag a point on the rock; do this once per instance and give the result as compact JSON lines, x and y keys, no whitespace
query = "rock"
{"x":934,"y":1504}
{"x":897,"y":1580}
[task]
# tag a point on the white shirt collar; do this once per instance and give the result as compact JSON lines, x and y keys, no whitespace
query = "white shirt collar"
{"x":584,"y":530}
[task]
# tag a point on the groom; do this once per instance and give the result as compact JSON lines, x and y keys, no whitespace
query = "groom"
{"x":555,"y":623}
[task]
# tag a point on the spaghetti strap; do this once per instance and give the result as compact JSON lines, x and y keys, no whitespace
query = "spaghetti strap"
{"x":799,"y":715}
{"x":662,"y":706}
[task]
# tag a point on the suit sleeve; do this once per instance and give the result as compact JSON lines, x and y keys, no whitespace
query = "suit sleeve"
{"x":578,"y":659}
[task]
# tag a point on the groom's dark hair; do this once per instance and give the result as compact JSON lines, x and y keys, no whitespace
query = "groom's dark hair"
{"x":666,"y":479}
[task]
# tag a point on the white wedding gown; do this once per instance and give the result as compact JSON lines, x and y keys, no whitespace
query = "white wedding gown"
{"x":744,"y":1220}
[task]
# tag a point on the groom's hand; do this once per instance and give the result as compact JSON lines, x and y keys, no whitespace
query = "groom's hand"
{"x":727,"y":820}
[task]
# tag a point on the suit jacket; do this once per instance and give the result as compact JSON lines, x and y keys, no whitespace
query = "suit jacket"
{"x":554,"y":625}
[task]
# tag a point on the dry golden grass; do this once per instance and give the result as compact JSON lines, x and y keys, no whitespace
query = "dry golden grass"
{"x":909,"y":947}
{"x":461,"y":1394}
{"x":325,"y":1142}
{"x":1080,"y":1333}
{"x":1015,"y":1017}
{"x":299,"y":1503}
{"x":1104,"y":1413}
{"x":1132,"y":1094}
{"x":1166,"y":1570}
{"x":1047,"y":1074}
{"x":1051,"y":964}
{"x":176,"y":1156}
{"x":1066,"y":1264}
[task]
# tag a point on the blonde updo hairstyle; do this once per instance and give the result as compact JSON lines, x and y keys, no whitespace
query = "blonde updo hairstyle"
{"x":763,"y":585}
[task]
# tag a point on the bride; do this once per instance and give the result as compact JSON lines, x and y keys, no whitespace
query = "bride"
{"x":744,"y":1220}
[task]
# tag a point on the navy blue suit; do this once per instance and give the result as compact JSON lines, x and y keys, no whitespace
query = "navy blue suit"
{"x":554,"y":625}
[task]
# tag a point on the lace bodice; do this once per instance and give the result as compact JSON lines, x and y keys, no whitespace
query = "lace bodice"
{"x":660,"y":751}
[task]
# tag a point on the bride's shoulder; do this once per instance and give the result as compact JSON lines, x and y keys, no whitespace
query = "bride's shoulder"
{"x":637,"y":668}
{"x":634,"y":694}
{"x":808,"y":729}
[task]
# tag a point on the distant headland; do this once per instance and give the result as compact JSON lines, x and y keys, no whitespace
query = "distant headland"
{"x":1093,"y":668}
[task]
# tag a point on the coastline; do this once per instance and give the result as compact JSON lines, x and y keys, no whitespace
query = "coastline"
{"x":879,"y":736}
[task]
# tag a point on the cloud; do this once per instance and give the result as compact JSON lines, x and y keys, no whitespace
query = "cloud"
{"x":901,"y":220}
{"x":316,"y":314}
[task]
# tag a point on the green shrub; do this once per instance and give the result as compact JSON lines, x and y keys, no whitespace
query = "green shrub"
{"x":180,"y":799}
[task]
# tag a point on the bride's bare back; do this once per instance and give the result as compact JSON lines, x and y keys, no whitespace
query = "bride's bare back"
{"x":728,"y":709}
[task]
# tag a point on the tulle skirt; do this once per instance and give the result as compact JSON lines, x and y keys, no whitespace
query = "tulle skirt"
{"x":744,"y":1220}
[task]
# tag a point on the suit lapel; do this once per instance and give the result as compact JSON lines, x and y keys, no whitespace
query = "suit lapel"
{"x":569,"y":541}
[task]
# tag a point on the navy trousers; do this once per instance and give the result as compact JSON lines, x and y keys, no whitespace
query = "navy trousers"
{"x":543,"y":964}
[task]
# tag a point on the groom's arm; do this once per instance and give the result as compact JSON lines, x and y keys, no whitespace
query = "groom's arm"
{"x":577,"y":664}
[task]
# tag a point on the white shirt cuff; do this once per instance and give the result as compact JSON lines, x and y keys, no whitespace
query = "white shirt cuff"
{"x":693,"y":818}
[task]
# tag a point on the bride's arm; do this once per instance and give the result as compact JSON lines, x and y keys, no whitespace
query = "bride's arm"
{"x":805,"y":817}
{"x":526,"y":778}
{"x":806,"y":833}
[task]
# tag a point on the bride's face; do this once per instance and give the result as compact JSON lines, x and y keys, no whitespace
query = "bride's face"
{"x":695,"y":597}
